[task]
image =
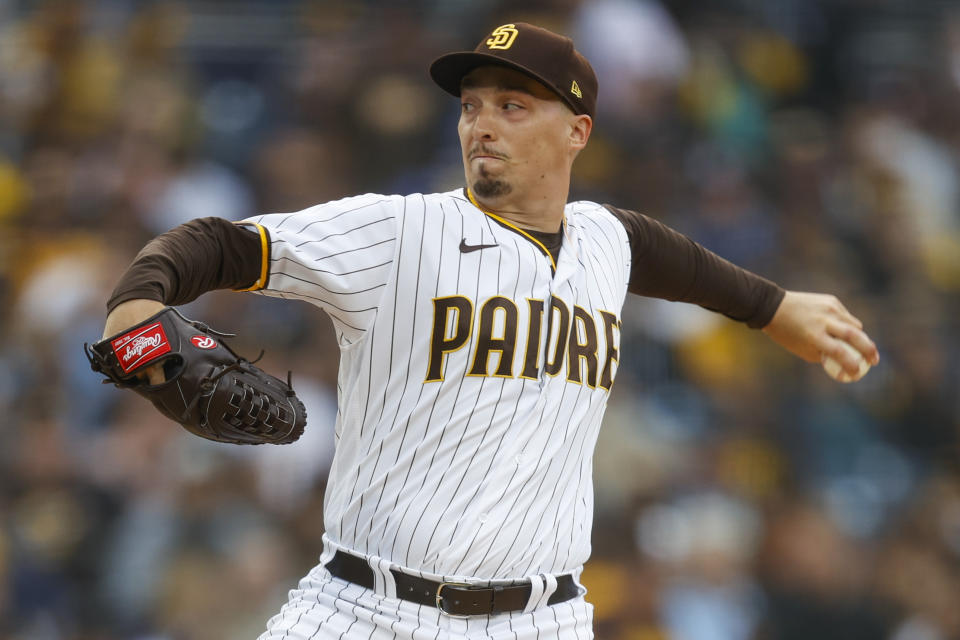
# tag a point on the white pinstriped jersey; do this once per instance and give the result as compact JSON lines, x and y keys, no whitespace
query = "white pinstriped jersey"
{"x":473,"y":378}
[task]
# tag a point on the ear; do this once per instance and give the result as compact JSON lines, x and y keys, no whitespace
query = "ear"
{"x":580,"y":128}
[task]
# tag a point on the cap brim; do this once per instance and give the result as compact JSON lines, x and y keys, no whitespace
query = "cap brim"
{"x":448,"y":70}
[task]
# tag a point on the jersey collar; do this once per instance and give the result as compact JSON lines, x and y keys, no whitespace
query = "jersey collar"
{"x":506,"y":223}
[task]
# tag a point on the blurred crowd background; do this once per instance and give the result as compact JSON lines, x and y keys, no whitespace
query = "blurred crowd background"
{"x":741,"y":494}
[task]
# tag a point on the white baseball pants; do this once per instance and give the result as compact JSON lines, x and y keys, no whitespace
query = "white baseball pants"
{"x":325,"y":608}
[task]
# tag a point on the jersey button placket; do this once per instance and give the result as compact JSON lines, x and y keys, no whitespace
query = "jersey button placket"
{"x":542,"y":377}
{"x":565,"y":271}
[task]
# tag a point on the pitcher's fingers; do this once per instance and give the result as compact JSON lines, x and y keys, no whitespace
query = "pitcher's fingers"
{"x":155,"y":374}
{"x":857,"y":338}
{"x":845,"y":314}
{"x":843,"y":353}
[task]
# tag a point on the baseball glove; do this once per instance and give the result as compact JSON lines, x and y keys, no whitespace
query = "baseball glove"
{"x":209,"y":389}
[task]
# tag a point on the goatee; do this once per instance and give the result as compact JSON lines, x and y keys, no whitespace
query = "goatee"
{"x":491,"y":188}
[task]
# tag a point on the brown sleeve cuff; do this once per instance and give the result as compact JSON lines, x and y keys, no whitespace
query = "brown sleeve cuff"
{"x":770,"y":301}
{"x":200,"y":256}
{"x":666,"y":264}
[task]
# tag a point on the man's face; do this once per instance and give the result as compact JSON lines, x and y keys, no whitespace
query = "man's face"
{"x":514,"y":132}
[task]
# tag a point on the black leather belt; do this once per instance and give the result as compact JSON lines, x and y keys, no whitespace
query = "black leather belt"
{"x":452,"y":598}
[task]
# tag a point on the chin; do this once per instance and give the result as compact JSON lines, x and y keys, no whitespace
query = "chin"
{"x":488,"y":188}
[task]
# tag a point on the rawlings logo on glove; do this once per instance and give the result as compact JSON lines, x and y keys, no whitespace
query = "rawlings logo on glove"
{"x":140,"y":346}
{"x":209,"y":389}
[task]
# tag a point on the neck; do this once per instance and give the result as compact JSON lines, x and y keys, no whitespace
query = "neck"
{"x":543,"y":212}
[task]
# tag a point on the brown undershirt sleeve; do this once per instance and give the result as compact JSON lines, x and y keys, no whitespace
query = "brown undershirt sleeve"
{"x":199,"y":256}
{"x":667,"y":264}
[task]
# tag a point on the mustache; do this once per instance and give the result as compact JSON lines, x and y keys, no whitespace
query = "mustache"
{"x":483,"y":150}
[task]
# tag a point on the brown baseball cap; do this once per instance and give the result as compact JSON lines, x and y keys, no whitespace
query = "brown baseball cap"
{"x":545,"y":56}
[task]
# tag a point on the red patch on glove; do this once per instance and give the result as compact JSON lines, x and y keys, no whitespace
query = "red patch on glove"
{"x":140,"y":346}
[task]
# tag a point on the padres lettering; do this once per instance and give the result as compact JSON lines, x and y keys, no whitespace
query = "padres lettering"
{"x":574,"y":340}
{"x":502,"y":37}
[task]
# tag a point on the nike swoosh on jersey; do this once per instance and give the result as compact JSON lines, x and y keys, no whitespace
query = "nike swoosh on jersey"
{"x":467,"y":248}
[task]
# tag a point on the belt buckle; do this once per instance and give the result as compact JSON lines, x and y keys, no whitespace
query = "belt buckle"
{"x":439,"y":598}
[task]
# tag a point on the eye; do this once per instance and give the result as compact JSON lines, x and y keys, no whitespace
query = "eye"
{"x":467,"y":107}
{"x":511,"y":106}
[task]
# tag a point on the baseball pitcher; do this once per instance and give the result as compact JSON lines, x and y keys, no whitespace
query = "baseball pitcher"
{"x":480,"y":336}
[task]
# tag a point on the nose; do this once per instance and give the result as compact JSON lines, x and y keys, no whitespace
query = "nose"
{"x":483,"y":125}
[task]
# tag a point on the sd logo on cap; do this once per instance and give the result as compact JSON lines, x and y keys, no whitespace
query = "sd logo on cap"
{"x":502,"y":37}
{"x":543,"y":55}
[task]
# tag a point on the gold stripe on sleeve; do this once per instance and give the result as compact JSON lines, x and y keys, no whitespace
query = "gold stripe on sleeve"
{"x":264,"y":259}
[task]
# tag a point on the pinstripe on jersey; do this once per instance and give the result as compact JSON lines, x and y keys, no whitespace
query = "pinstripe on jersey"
{"x":481,"y":467}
